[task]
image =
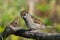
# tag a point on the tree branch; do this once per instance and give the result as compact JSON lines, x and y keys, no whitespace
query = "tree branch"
{"x":37,"y":36}
{"x":6,"y":33}
{"x":28,"y":34}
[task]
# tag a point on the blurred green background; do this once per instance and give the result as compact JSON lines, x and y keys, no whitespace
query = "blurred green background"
{"x":47,"y":10}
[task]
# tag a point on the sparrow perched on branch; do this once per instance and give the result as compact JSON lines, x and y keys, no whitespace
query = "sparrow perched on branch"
{"x":32,"y":23}
{"x":14,"y":24}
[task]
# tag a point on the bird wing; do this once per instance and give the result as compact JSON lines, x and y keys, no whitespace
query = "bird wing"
{"x":37,"y":21}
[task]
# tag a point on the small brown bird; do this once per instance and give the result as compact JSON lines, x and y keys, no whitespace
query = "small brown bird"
{"x":14,"y":25}
{"x":34,"y":24}
{"x":15,"y":22}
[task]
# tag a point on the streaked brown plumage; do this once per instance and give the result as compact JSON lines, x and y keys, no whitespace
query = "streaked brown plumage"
{"x":14,"y":25}
{"x":32,"y":22}
{"x":15,"y":22}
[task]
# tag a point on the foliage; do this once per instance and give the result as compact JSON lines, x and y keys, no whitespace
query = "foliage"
{"x":43,"y":8}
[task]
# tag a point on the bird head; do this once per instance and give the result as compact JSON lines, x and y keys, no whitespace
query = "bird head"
{"x":24,"y":14}
{"x":15,"y":22}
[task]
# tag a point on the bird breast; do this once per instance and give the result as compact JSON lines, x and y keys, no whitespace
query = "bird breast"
{"x":33,"y":25}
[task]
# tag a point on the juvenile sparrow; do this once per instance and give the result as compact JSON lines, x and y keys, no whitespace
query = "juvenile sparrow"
{"x":34,"y":24}
{"x":14,"y":25}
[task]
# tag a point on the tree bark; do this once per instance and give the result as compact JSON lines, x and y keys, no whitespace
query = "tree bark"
{"x":27,"y":34}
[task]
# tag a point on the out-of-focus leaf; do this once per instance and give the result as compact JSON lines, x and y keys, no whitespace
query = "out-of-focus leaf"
{"x":43,"y":8}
